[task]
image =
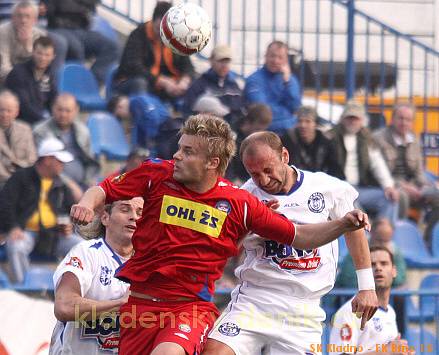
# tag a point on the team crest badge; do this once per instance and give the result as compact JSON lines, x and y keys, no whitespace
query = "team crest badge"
{"x":106,"y":275}
{"x":223,"y":205}
{"x":316,"y":202}
{"x":377,"y":324}
{"x":229,"y":329}
{"x":119,"y":178}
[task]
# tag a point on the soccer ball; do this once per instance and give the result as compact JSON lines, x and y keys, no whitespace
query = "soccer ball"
{"x":186,"y":29}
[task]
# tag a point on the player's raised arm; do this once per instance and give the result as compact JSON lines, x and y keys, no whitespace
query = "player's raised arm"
{"x":310,"y":236}
{"x":83,"y":211}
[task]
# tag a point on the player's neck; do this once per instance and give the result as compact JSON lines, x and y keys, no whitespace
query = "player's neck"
{"x":203,"y":186}
{"x":291,"y":179}
{"x":383,"y":295}
{"x":125,"y":250}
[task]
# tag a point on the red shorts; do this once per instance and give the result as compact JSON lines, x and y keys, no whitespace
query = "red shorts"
{"x":144,"y":324}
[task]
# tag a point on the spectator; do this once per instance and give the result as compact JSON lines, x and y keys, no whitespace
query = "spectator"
{"x":381,"y":332}
{"x":358,"y":160}
{"x":34,"y":82}
{"x":33,"y":205}
{"x":67,"y":127}
{"x":381,"y":234}
{"x":85,"y":280}
{"x":119,"y":106}
{"x":258,"y":118}
{"x":17,"y":149}
{"x":147,"y":65}
{"x":18,"y":36}
{"x":134,"y":159}
{"x":219,"y":85}
{"x":72,"y":19}
{"x":276,"y":86}
{"x":402,"y":153}
{"x":309,"y":148}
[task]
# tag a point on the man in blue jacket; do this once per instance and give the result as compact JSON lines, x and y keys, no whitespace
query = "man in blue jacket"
{"x":217,"y":88}
{"x":275,"y":86}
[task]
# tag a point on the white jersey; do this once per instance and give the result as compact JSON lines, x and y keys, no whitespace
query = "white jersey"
{"x":346,"y":336}
{"x":306,"y":274}
{"x":94,"y":263}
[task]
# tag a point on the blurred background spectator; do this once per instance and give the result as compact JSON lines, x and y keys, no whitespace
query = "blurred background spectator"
{"x":402,"y":151}
{"x":18,"y":36}
{"x":276,"y":86}
{"x":66,"y":126}
{"x":359,"y":161}
{"x":34,"y":82}
{"x":72,"y":20}
{"x":17,"y":149}
{"x":220,"y":85}
{"x":34,"y":209}
{"x":148,"y":66}
{"x":309,"y":148}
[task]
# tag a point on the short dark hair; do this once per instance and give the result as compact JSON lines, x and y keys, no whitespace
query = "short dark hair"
{"x":259,"y":113}
{"x":382,"y":248}
{"x":44,"y":41}
{"x":160,"y":10}
{"x":307,"y":111}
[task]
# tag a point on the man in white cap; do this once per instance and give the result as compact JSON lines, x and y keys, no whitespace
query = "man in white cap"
{"x":216,"y":91}
{"x":34,"y":209}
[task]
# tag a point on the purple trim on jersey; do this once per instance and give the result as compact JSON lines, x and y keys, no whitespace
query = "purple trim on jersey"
{"x":115,"y":256}
{"x":383,"y":309}
{"x":296,"y":185}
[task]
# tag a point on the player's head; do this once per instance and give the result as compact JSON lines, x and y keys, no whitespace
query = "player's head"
{"x":384,"y":270}
{"x":266,"y":160}
{"x":119,"y":219}
{"x":276,"y":56}
{"x":206,"y":145}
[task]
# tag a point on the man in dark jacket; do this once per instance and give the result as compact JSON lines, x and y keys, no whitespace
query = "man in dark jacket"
{"x":218,"y":84}
{"x":308,"y":147}
{"x":34,"y":204}
{"x":34,"y":82}
{"x":72,"y":20}
{"x":147,"y":65}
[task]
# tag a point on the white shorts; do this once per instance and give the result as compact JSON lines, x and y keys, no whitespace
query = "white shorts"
{"x":257,"y":322}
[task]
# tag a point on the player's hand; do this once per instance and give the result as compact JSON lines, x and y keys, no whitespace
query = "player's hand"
{"x":355,"y":220}
{"x":401,"y":345}
{"x":273,"y":204}
{"x":364,"y":305}
{"x":286,"y":71}
{"x":81,"y":215}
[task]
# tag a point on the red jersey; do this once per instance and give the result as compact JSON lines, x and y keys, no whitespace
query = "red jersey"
{"x":187,"y":236}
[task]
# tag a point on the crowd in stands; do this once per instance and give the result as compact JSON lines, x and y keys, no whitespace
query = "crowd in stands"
{"x":46,"y":157}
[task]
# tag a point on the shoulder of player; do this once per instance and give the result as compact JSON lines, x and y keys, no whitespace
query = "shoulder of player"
{"x":344,"y":312}
{"x":88,"y":246}
{"x":320,"y":177}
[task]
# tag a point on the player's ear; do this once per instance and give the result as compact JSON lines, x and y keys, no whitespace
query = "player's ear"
{"x":285,"y":155}
{"x":213,"y":163}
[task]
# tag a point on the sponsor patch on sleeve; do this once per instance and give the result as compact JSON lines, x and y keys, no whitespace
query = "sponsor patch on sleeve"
{"x":75,"y":262}
{"x":346,"y":332}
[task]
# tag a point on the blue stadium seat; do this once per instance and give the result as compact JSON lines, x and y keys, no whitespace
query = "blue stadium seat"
{"x":411,"y":244}
{"x":38,"y":278}
{"x":107,"y":136}
{"x":81,"y":83}
{"x":101,"y":25}
{"x":435,"y":240}
{"x":423,"y":344}
{"x":427,"y":304}
{"x":4,"y":280}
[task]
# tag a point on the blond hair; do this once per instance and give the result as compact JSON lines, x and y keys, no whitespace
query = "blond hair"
{"x":218,"y":135}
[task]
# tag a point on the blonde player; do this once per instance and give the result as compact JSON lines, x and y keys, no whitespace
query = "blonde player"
{"x":85,"y":283}
{"x":380,"y":336}
{"x":276,"y":307}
